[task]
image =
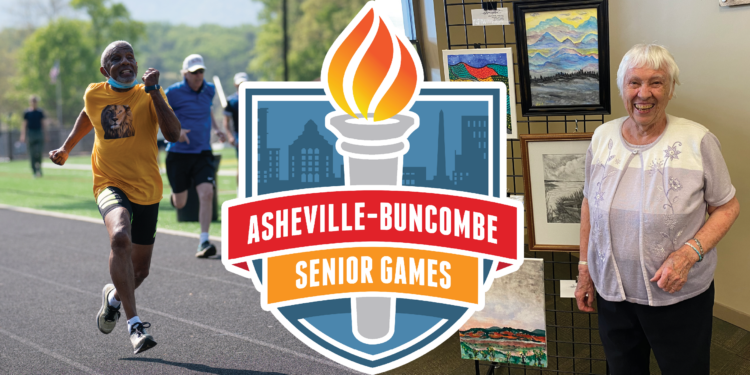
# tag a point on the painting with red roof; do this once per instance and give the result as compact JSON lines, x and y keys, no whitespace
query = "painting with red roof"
{"x":485,"y":65}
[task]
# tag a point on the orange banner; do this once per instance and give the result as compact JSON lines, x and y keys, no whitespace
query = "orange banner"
{"x":373,"y":269}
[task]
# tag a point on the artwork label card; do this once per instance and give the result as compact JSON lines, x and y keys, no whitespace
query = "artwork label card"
{"x":481,"y":17}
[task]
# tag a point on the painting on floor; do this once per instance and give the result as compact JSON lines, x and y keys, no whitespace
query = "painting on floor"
{"x":511,"y":328}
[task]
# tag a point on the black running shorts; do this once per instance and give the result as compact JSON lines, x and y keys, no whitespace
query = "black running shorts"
{"x":142,"y":217}
{"x":184,"y":168}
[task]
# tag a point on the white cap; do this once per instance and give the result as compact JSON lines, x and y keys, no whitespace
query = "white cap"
{"x":193,"y":63}
{"x":240,"y":77}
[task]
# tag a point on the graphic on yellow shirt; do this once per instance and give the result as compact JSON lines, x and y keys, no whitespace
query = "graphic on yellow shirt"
{"x":117,"y":122}
{"x":125,"y":151}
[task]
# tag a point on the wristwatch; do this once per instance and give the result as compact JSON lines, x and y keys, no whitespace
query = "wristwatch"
{"x":151,"y":88}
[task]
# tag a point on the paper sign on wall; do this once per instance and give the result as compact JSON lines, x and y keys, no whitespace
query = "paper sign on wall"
{"x":481,"y":17}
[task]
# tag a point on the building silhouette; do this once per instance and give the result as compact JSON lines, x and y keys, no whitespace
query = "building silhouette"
{"x":414,"y":176}
{"x":268,"y":158}
{"x":470,"y":173}
{"x":311,"y":160}
{"x":441,"y":177}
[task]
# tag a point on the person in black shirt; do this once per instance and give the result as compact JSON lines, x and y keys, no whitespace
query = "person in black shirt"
{"x":33,"y":134}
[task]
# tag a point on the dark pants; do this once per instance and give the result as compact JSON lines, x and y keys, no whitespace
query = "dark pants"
{"x":35,"y":143}
{"x":679,"y":334}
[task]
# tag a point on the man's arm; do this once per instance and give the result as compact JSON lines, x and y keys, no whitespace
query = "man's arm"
{"x":230,"y":136}
{"x":585,"y":292}
{"x":217,"y":129}
{"x":23,"y":130}
{"x":82,"y":127}
{"x":168,"y":122}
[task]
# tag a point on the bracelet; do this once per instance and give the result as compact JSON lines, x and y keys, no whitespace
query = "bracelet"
{"x":700,"y":256}
{"x":699,"y":245}
{"x":583,"y":263}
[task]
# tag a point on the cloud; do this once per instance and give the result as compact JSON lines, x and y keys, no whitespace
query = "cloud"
{"x":515,"y":300}
{"x":564,"y":167}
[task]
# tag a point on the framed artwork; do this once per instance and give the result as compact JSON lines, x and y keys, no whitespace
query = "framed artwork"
{"x":553,"y":176}
{"x":512,"y":326}
{"x":485,"y":65}
{"x":563,"y":53}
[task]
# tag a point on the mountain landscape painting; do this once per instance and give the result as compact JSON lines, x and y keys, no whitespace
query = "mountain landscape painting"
{"x":511,"y":328}
{"x":485,"y":65}
{"x":563,"y":55}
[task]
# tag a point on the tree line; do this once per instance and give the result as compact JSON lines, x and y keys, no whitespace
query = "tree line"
{"x":31,"y":52}
{"x":562,"y":76}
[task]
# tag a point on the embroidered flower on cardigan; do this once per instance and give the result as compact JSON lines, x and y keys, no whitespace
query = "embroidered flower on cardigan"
{"x":671,"y":152}
{"x":598,"y":216}
{"x":668,"y":186}
{"x":674,"y":184}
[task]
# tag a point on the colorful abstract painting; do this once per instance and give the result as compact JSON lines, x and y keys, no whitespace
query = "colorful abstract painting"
{"x":563,"y":55}
{"x":485,"y":65}
{"x":511,"y":328}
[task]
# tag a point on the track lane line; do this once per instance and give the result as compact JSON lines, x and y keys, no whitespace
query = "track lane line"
{"x":190,"y":322}
{"x":50,"y":353}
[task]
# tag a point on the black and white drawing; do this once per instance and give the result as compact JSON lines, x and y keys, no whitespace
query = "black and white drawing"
{"x":563,"y":186}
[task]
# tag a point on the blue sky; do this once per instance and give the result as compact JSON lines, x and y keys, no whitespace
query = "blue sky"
{"x":14,"y":13}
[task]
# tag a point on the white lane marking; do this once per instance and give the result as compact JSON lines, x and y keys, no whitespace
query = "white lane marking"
{"x":249,"y":284}
{"x":190,"y":322}
{"x":87,"y":167}
{"x":50,"y":353}
{"x":96,"y":221}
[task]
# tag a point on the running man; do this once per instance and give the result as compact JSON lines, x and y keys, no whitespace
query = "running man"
{"x":127,"y":185}
{"x":191,"y":159}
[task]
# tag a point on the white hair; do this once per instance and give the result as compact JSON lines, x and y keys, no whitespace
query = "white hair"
{"x":110,"y":47}
{"x":651,"y":56}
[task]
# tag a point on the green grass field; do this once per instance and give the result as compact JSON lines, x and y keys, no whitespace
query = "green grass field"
{"x":71,"y":191}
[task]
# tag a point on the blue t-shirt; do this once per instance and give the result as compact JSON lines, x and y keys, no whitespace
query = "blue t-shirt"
{"x":233,"y":107}
{"x":193,"y":109}
{"x":33,"y":119}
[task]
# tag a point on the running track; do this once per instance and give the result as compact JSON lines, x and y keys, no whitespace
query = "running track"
{"x":205,"y":319}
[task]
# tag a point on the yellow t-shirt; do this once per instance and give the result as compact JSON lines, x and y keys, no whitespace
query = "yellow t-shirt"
{"x":125,"y":151}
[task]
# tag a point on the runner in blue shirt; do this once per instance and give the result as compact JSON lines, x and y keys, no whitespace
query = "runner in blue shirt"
{"x":191,"y":158}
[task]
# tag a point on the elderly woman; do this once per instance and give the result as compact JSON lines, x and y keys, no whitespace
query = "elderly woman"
{"x":646,"y":246}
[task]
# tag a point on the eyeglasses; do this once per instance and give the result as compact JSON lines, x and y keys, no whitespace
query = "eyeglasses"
{"x":199,"y":71}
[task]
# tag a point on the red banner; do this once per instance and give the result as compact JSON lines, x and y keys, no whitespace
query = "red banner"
{"x":409,"y":217}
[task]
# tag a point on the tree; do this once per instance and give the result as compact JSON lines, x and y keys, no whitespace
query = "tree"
{"x":64,"y":40}
{"x":11,"y":101}
{"x":109,"y":23}
{"x":313,"y":27}
{"x":78,"y":46}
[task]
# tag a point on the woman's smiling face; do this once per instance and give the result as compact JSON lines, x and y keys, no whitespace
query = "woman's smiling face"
{"x":645,"y":94}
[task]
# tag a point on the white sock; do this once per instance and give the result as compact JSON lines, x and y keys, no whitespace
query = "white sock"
{"x":204,"y":237}
{"x":132,"y":321}
{"x":112,"y":301}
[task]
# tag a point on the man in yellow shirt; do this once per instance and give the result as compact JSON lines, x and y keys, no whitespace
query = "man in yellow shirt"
{"x":126,"y":117}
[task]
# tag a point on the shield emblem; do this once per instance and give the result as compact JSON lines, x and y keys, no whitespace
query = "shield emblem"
{"x":372,"y":238}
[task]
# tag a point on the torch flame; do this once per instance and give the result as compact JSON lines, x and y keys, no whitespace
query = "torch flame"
{"x":369,"y":68}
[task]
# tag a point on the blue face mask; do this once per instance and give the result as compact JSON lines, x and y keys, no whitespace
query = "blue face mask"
{"x":119,"y":85}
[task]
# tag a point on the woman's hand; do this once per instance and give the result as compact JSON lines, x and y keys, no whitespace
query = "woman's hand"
{"x":673,"y":273}
{"x":585,"y":292}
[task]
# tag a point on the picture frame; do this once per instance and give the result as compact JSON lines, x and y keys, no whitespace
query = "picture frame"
{"x":563,"y":54}
{"x":553,"y":177}
{"x":485,"y":64}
